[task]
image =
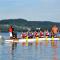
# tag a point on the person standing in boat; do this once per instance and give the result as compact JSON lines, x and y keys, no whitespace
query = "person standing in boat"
{"x":54,"y":30}
{"x":11,"y":31}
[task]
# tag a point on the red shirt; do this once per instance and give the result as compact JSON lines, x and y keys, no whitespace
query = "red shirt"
{"x":10,"y":29}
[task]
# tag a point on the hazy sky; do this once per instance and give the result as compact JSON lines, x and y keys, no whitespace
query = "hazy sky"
{"x":41,"y":10}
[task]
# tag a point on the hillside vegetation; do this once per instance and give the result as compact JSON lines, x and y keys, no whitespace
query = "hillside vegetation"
{"x":24,"y":25}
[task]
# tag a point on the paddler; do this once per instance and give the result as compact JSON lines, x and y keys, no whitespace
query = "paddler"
{"x":36,"y":34}
{"x":54,"y":30}
{"x":24,"y":35}
{"x":30,"y":35}
{"x":41,"y":34}
{"x":47,"y":33}
{"x":58,"y":34}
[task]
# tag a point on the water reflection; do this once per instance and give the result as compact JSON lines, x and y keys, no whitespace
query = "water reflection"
{"x":54,"y":45}
{"x":1,"y":40}
{"x":14,"y":45}
{"x":12,"y":50}
{"x":55,"y":56}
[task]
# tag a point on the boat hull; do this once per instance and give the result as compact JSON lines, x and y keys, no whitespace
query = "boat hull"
{"x":31,"y":40}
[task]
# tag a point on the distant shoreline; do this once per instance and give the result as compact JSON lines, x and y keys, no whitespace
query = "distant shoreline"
{"x":21,"y":25}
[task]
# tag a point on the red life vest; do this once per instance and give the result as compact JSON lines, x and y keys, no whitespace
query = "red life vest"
{"x":10,"y":29}
{"x":47,"y":33}
{"x":36,"y":34}
{"x":24,"y":35}
{"x":41,"y":34}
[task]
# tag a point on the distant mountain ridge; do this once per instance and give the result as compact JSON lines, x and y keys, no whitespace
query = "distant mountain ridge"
{"x":24,"y":25}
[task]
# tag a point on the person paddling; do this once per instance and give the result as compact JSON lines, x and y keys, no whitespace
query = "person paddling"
{"x":30,"y":35}
{"x":58,"y":34}
{"x":54,"y":30}
{"x":41,"y":34}
{"x":47,"y":33}
{"x":36,"y":34}
{"x":24,"y":34}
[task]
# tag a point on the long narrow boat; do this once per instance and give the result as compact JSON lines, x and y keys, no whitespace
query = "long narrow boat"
{"x":31,"y":40}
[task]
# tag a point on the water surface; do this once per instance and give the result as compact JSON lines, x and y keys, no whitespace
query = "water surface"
{"x":43,"y":51}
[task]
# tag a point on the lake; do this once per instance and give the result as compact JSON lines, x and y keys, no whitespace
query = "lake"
{"x":17,"y":51}
{"x":6,"y":35}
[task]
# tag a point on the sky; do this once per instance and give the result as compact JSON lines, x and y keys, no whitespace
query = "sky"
{"x":31,"y":10}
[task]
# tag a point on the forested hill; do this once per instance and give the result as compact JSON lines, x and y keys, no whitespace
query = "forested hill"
{"x":24,"y":25}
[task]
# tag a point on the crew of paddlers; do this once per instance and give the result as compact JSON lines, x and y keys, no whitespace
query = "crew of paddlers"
{"x":41,"y":34}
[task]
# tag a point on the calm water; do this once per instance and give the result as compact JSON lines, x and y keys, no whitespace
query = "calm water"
{"x":43,"y":51}
{"x":6,"y":35}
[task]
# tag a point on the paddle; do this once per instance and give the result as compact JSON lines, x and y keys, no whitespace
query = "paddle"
{"x":27,"y":41}
{"x":52,"y":41}
{"x":46,"y":40}
{"x":37,"y":40}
